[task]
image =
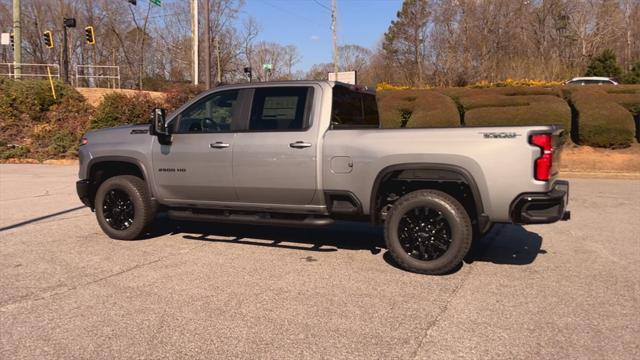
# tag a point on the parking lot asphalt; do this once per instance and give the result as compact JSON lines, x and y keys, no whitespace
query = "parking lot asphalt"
{"x":568,"y":290}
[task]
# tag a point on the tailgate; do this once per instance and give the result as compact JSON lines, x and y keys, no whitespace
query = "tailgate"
{"x":559,"y":138}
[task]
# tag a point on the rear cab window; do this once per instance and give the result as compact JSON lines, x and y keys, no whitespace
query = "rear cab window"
{"x":281,"y":109}
{"x":353,"y":109}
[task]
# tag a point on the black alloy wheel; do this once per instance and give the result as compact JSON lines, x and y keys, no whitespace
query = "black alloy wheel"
{"x":424,"y":233}
{"x":428,"y":232}
{"x":123,"y":207}
{"x":118,"y":209}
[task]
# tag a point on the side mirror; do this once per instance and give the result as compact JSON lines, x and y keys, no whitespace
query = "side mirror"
{"x":159,"y":122}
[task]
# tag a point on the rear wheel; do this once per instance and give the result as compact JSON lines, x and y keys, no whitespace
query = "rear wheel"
{"x":428,"y":232}
{"x":123,"y":207}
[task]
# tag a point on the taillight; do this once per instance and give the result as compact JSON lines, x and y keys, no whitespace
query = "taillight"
{"x":542,"y":170}
{"x":84,"y":141}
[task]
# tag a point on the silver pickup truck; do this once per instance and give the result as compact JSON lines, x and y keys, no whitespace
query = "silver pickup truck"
{"x":307,"y":153}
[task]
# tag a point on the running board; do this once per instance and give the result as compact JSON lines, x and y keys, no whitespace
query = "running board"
{"x":255,"y":219}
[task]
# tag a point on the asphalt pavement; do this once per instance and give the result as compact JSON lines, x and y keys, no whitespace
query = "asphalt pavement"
{"x":569,"y":290}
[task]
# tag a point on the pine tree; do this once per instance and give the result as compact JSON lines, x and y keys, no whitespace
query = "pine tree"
{"x":604,"y":64}
{"x":633,"y":76}
{"x":404,"y":41}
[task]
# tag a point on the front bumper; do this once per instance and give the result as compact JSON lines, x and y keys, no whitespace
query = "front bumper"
{"x":84,"y":190}
{"x":542,"y":208}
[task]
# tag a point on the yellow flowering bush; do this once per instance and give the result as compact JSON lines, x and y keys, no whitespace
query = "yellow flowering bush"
{"x":484,"y":84}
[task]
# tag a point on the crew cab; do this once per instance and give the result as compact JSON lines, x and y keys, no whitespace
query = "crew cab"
{"x":308,"y":153}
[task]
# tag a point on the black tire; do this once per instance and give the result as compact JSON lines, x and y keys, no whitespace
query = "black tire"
{"x":449,"y":220}
{"x":143,"y":210}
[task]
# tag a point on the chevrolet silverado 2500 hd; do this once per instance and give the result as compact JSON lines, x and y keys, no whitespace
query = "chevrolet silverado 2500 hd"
{"x":306,"y":153}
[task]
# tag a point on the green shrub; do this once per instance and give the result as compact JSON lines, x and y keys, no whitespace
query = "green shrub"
{"x":30,"y":117}
{"x":13,"y":152}
{"x":178,"y":95}
{"x":605,"y":64}
{"x":62,"y":142}
{"x":31,"y":98}
{"x":601,"y":121}
{"x":633,"y":76}
{"x":60,"y":135}
{"x":119,"y":109}
{"x":416,"y":109}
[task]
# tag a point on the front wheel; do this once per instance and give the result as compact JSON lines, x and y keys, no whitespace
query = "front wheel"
{"x":428,"y":232}
{"x":124,"y":207}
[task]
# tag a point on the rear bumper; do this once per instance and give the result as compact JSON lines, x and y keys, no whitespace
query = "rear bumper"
{"x":542,"y":208}
{"x":83,"y":188}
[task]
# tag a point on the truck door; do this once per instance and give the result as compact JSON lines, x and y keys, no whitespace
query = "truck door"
{"x":197,"y":166}
{"x":275,"y":159}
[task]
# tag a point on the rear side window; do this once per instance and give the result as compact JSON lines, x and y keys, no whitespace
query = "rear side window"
{"x":280,"y":109}
{"x":353,"y":110}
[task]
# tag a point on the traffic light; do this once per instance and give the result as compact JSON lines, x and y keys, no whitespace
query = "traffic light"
{"x":48,"y":39}
{"x":69,"y":22}
{"x":13,"y":46}
{"x":90,"y":35}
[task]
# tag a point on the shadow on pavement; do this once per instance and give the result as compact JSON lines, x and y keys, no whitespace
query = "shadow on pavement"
{"x":505,"y":244}
{"x":43,"y":217}
{"x":342,"y":235}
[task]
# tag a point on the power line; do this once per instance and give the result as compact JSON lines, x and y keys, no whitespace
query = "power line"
{"x":292,"y":13}
{"x":322,"y":5}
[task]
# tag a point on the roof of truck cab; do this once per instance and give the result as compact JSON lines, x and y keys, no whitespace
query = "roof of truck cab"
{"x":294,"y":82}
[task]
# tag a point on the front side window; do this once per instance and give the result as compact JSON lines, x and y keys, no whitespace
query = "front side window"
{"x":280,"y":109}
{"x":211,"y":114}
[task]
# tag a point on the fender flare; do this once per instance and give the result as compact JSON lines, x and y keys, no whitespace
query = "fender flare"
{"x":430,"y":172}
{"x":117,"y":158}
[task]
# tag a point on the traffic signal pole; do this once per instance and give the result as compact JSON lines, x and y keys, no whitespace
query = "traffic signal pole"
{"x":17,"y":35}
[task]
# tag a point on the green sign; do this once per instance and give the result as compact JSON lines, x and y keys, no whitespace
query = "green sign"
{"x":155,"y":2}
{"x":267,"y":67}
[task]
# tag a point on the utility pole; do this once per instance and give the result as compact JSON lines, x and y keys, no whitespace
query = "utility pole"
{"x":17,"y":36}
{"x":335,"y":37}
{"x":194,"y":32}
{"x":207,"y":47}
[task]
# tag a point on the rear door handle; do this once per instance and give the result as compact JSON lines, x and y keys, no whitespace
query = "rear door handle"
{"x":299,"y":145}
{"x":219,"y":145}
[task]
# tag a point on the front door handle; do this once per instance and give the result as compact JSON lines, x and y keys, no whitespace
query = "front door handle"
{"x":219,"y":145}
{"x":299,"y":145}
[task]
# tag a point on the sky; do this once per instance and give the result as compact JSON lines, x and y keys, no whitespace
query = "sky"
{"x":307,"y":24}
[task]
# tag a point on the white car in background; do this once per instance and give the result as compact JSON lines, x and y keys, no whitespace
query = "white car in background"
{"x":591,"y":80}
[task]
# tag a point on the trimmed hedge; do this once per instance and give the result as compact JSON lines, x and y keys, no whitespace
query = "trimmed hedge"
{"x":416,"y":109}
{"x":602,"y":121}
{"x":511,"y":106}
{"x":490,"y":100}
{"x":539,"y":110}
